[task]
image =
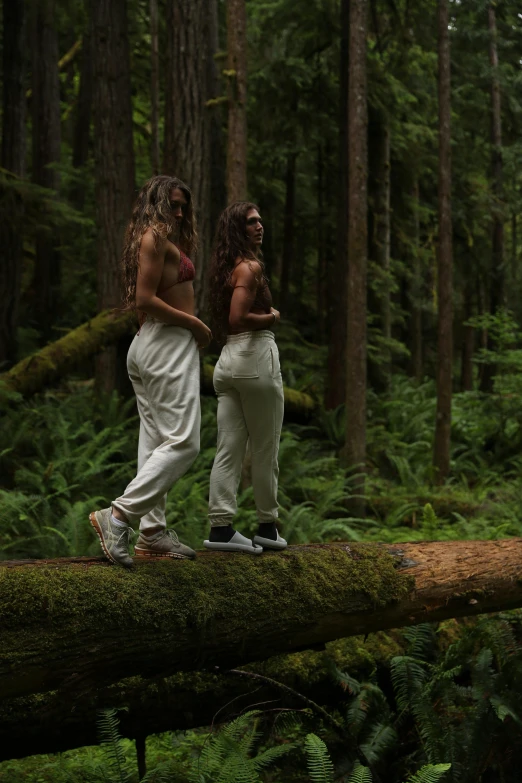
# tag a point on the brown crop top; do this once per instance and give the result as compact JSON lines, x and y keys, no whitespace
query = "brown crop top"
{"x":186,"y":271}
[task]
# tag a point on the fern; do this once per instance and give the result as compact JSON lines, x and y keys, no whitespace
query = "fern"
{"x":360,"y":774}
{"x":430,"y":773}
{"x":319,"y":763}
{"x":110,"y":740}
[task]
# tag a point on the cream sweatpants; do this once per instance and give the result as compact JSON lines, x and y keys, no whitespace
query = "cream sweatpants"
{"x":248,"y":383}
{"x":163,"y":365}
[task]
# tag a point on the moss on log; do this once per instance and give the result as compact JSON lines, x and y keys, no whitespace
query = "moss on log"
{"x":79,"y":623}
{"x":50,"y":364}
{"x":53,"y":722}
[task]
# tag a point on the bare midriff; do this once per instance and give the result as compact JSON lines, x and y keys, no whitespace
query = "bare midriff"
{"x":180,"y":296}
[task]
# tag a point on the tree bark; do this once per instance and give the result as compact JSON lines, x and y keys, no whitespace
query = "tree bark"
{"x":468,"y":338}
{"x":13,"y":159}
{"x":45,"y":104}
{"x":78,"y":623}
{"x":188,"y":119}
{"x":355,"y":449}
{"x":417,"y":368}
{"x":380,"y":242}
{"x":82,"y":125}
{"x":154,"y":87}
{"x":52,"y":363}
{"x":114,"y":157}
{"x":237,"y":88}
{"x":335,"y":392}
{"x":497,"y":274}
{"x":441,"y":454}
{"x":288,"y":235}
{"x":52,"y":723}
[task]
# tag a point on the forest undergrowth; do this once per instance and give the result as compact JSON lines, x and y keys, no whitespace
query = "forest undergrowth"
{"x":443,"y":710}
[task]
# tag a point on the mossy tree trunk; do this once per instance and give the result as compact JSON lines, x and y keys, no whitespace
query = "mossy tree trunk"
{"x":52,"y":363}
{"x":78,"y":623}
{"x":53,"y":722}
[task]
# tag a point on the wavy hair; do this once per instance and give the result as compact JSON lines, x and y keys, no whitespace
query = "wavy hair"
{"x":230,"y":243}
{"x":152,"y":210}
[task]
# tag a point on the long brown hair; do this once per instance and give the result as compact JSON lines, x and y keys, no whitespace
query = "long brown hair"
{"x":230,"y":243}
{"x":152,"y":210}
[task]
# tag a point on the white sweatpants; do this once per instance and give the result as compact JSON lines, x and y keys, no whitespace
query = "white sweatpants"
{"x":163,"y":365}
{"x":248,"y":383}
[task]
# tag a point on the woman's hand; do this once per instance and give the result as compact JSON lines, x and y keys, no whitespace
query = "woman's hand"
{"x":277,"y":315}
{"x":201,"y":332}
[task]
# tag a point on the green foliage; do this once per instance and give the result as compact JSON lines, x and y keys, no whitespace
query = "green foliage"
{"x":320,"y":767}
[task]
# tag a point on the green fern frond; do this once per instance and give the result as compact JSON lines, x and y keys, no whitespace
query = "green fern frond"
{"x":318,"y":759}
{"x":360,"y":774}
{"x":266,"y":758}
{"x":408,"y":677}
{"x":110,"y":740}
{"x":431,"y":773}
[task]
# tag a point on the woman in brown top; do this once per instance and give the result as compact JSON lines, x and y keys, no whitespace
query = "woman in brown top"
{"x":247,"y":380}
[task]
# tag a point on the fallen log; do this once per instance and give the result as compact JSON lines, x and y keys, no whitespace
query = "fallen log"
{"x":55,"y":722}
{"x":56,"y":360}
{"x":78,"y":623}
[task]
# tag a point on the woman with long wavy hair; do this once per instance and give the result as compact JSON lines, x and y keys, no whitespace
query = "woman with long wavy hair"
{"x":163,"y":365}
{"x":247,"y":380}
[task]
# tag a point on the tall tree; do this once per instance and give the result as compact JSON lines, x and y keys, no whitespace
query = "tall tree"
{"x":237,"y":88}
{"x":114,"y":156}
{"x":154,"y":87}
{"x":288,"y":234}
{"x":357,"y":244}
{"x":335,"y":393}
{"x":13,"y":160}
{"x":188,"y":120}
{"x":45,"y":103}
{"x":82,"y":125}
{"x":497,"y":281}
{"x":441,"y":454}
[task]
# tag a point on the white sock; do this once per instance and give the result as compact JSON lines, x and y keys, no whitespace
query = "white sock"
{"x":118,"y":522}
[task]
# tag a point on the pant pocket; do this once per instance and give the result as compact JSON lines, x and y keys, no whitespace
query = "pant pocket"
{"x":275,"y":366}
{"x":244,"y":364}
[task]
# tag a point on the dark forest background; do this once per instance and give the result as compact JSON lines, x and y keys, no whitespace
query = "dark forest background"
{"x":382,"y":141}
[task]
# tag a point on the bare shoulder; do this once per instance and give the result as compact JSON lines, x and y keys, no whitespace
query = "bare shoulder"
{"x":248,"y":272}
{"x":152,"y":244}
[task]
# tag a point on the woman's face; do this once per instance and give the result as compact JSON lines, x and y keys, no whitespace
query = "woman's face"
{"x":254,"y":228}
{"x":178,"y":204}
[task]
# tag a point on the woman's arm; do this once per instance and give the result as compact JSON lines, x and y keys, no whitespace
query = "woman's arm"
{"x":152,"y":261}
{"x":245,"y":284}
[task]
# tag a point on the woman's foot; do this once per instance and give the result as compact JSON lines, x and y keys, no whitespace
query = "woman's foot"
{"x":224,"y":538}
{"x":164,"y":544}
{"x":268,"y":536}
{"x":114,"y":537}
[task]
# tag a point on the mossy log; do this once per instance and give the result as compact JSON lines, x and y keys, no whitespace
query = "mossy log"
{"x":53,"y":722}
{"x":79,"y":623}
{"x":53,"y":362}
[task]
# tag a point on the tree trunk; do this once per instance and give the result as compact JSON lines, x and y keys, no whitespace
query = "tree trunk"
{"x":417,"y":369}
{"x":52,"y":363}
{"x":355,"y":449}
{"x":154,"y":87}
{"x":52,"y":723}
{"x":114,"y":158}
{"x":379,"y":157}
{"x":335,"y":392}
{"x":13,"y":159}
{"x":468,"y":338}
{"x":237,"y":86}
{"x":441,"y":455}
{"x":188,"y":120}
{"x":78,"y":623}
{"x":324,"y":260}
{"x":288,"y":235}
{"x":82,"y":126}
{"x":496,"y":286}
{"x":45,"y":104}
